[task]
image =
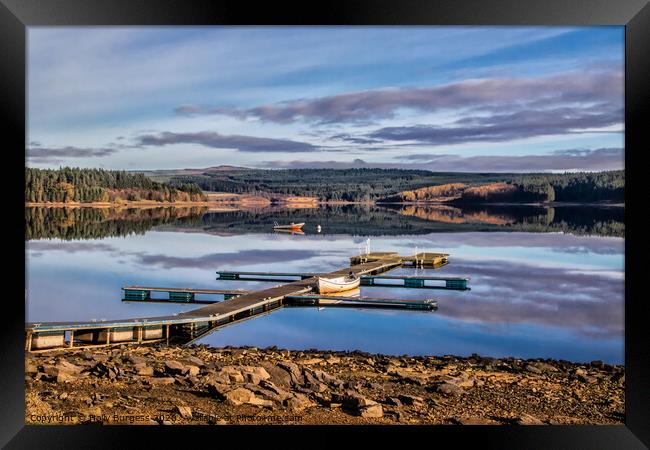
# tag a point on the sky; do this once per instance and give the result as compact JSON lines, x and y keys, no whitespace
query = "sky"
{"x":441,"y":98}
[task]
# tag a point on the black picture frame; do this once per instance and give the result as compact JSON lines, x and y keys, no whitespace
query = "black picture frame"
{"x":16,"y":15}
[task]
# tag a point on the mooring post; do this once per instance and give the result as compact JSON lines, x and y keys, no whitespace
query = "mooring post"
{"x":71,"y":343}
{"x":140,"y":330}
{"x":29,"y":341}
{"x":108,"y":336}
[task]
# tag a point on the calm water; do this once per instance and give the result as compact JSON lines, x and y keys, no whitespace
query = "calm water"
{"x":548,"y":293}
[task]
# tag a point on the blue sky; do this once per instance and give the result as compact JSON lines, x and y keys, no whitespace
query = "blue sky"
{"x":439,"y":98}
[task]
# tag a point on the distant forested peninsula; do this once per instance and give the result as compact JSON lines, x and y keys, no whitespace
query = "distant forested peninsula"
{"x":397,"y":185}
{"x":72,"y":185}
{"x":69,"y":185}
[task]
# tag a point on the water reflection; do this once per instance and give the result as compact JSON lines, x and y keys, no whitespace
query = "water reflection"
{"x":91,"y":223}
{"x":533,"y":294}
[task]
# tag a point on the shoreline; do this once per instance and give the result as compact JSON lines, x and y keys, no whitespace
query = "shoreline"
{"x":245,"y":385}
{"x":293,"y":204}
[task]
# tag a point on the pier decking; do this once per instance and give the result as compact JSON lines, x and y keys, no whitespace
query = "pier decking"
{"x":240,"y":305}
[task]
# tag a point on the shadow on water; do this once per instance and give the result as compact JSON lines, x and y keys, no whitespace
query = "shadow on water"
{"x":386,"y":220}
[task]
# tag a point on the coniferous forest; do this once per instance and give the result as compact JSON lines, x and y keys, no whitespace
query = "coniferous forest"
{"x":352,"y":185}
{"x":67,"y":185}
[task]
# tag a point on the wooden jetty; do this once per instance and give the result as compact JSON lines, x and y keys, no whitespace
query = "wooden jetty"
{"x":187,"y":326}
{"x":176,"y":294}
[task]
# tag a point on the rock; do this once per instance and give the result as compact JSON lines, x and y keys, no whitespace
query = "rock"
{"x":533,"y":369}
{"x":193,"y":371}
{"x":31,"y":368}
{"x":193,"y":360}
{"x":143,"y":370}
{"x":238,"y":396}
{"x":231,"y":374}
{"x":137,"y":360}
{"x":293,"y":370}
{"x":450,"y":389}
{"x":175,"y":367}
{"x":184,"y":411}
{"x":325,"y":377}
{"x":260,"y":402}
{"x":298,"y":402}
{"x":312,"y":383}
{"x":587,"y":379}
{"x":281,"y":393}
{"x":162,"y":381}
{"x":410,"y":399}
{"x":394,"y":401}
{"x":217,"y":389}
{"x":311,"y":361}
{"x":69,"y":367}
{"x":254,"y":374}
{"x":278,"y":375}
{"x":544,"y":367}
{"x":527,"y":419}
{"x":372,"y":411}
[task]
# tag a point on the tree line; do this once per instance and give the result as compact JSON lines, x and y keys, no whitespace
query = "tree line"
{"x":360,"y":185}
{"x":68,"y":184}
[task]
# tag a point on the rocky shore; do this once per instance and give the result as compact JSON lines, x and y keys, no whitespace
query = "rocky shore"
{"x":202,"y":385}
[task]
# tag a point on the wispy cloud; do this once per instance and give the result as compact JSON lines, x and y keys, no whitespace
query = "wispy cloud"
{"x":41,"y":154}
{"x":507,"y":127}
{"x":578,"y":159}
{"x":216,"y":140}
{"x":584,"y":87}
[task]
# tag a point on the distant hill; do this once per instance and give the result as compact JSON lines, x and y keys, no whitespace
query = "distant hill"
{"x":399,"y":185}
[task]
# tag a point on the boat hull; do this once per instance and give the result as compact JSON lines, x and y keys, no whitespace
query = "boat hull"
{"x":333,"y":285}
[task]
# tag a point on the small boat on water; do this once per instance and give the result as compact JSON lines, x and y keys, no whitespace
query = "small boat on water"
{"x":291,"y":226}
{"x":339,"y":284}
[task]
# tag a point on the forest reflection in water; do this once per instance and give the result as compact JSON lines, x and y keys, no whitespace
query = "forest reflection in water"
{"x":396,"y":219}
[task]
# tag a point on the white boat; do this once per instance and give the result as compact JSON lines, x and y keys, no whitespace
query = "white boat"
{"x":291,"y":226}
{"x":339,"y":284}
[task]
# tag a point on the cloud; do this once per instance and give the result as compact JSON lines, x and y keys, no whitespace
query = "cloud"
{"x":590,"y":304}
{"x":561,"y":160}
{"x":216,"y":140}
{"x":216,"y":260}
{"x":44,"y":154}
{"x":597,"y":86}
{"x":506,"y":127}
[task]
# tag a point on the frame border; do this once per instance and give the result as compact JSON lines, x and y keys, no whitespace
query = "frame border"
{"x":17,"y":15}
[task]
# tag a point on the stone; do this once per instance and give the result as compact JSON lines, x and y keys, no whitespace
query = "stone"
{"x":238,"y":396}
{"x":232,"y":374}
{"x":372,"y":411}
{"x":162,"y":381}
{"x":311,"y":361}
{"x":527,"y":419}
{"x":293,"y":370}
{"x":544,"y":367}
{"x":260,"y":402}
{"x":136,"y":360}
{"x":410,"y":399}
{"x":394,"y":401}
{"x":450,"y":389}
{"x":193,"y":371}
{"x":184,"y":411}
{"x":278,"y":375}
{"x":175,"y":367}
{"x":143,"y":370}
{"x":193,"y":360}
{"x":298,"y":402}
{"x":267,"y":384}
{"x":533,"y":369}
